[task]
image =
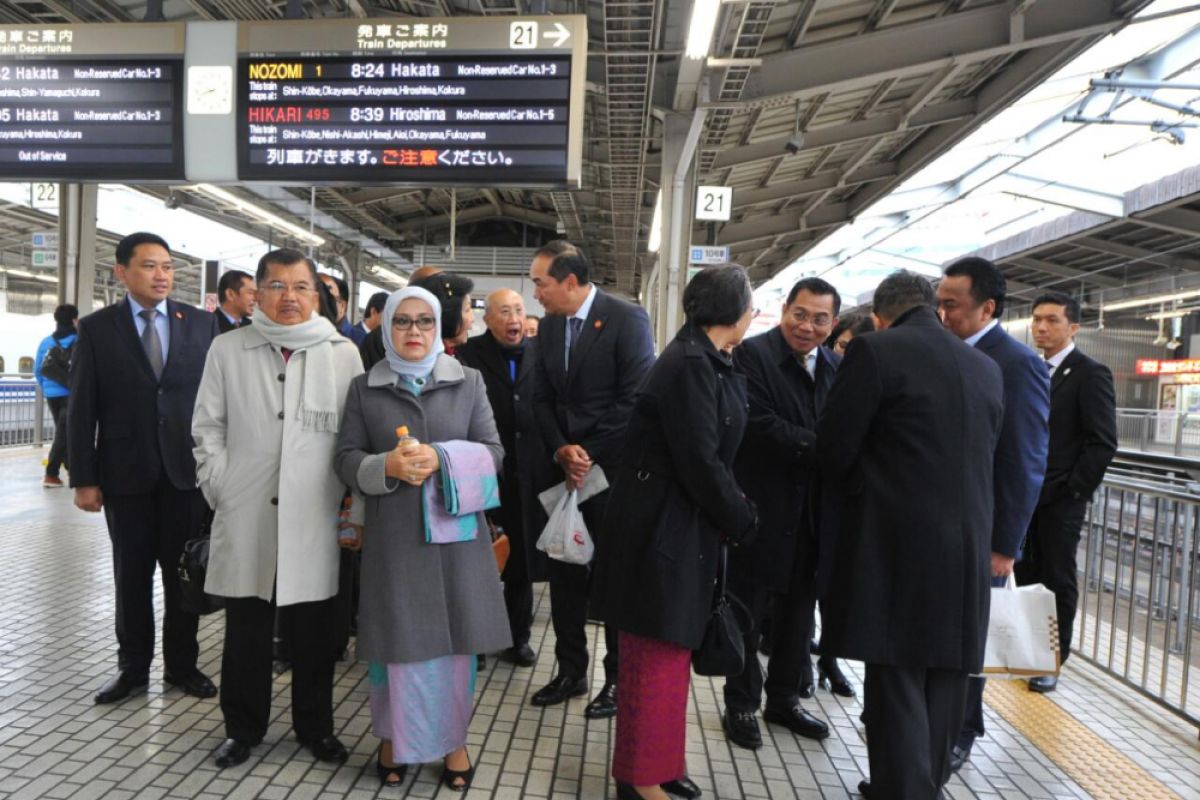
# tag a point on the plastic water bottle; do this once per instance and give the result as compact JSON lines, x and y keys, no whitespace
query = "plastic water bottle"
{"x":406,"y":440}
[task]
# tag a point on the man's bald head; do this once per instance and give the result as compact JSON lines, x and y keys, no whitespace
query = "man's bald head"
{"x":505,"y":316}
{"x":423,"y":272}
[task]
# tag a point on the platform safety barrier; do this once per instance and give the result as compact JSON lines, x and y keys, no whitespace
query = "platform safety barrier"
{"x":24,"y":418}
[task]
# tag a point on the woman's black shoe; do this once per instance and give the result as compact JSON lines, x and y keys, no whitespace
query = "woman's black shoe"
{"x":683,"y":787}
{"x":452,"y":777}
{"x":830,"y":677}
{"x":627,"y":792}
{"x":390,"y":776}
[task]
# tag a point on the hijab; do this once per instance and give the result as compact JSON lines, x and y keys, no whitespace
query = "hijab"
{"x":401,"y":366}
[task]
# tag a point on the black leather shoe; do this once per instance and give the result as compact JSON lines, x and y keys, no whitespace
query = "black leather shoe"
{"x":682,"y":787}
{"x":480,"y":662}
{"x":327,"y":749}
{"x":559,"y":690}
{"x":197,"y":684}
{"x":864,"y":788}
{"x":830,"y":677}
{"x":959,"y":755}
{"x":1043,"y":684}
{"x":231,"y":753}
{"x":797,"y":720}
{"x":604,"y":704}
{"x":807,"y":690}
{"x":626,"y":792}
{"x":522,"y":655}
{"x":814,"y":647}
{"x":742,"y":729}
{"x":119,"y":688}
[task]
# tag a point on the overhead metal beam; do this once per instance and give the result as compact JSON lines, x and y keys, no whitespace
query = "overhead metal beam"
{"x":1050,"y":191}
{"x":1063,"y":271}
{"x":480,"y":213}
{"x":768,"y":227}
{"x":1140,"y":254}
{"x":1176,"y":220}
{"x":808,"y":186}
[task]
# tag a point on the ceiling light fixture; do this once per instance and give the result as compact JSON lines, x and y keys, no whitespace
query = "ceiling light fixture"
{"x":261,"y":214}
{"x":655,"y":240}
{"x":701,"y":27}
{"x":1154,"y":300}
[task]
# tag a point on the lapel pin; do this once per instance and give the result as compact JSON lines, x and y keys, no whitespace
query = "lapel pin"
{"x":598,"y":324}
{"x":1066,"y":372}
{"x":178,"y":315}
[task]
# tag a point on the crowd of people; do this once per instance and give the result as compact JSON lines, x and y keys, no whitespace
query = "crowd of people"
{"x":886,"y":469}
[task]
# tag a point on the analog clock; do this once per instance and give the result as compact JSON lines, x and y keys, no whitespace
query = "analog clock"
{"x":210,"y":90}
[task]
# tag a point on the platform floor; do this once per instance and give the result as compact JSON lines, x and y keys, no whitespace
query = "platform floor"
{"x":1092,"y":738}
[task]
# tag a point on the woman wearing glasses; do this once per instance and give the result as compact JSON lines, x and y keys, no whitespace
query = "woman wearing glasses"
{"x":431,"y":595}
{"x":847,"y":328}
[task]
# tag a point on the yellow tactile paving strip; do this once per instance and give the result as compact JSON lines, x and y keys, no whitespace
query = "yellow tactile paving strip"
{"x":1100,"y":769}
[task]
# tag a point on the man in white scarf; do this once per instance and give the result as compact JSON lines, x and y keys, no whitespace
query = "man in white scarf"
{"x":265,"y":426}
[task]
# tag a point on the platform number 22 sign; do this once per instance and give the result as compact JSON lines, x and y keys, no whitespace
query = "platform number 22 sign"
{"x":714,"y":203}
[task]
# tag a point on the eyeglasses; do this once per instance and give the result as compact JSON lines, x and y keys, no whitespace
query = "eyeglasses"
{"x":800,"y":316}
{"x":841,"y":344}
{"x":404,"y":323}
{"x":279,"y":287}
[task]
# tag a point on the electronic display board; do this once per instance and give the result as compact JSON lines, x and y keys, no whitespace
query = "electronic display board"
{"x":465,"y":101}
{"x":91,"y":102}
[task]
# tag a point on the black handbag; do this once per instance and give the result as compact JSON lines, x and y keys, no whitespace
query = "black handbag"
{"x":193,"y":568}
{"x":722,"y":652}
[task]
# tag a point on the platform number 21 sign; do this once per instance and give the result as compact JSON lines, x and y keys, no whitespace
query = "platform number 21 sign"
{"x":523,"y":35}
{"x":714,"y":203}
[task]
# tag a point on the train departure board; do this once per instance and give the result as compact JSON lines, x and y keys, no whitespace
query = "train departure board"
{"x":91,"y":102}
{"x":466,"y":101}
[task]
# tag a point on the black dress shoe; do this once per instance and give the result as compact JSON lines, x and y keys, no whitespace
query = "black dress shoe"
{"x":814,"y":647}
{"x":1043,"y":684}
{"x":807,"y":690}
{"x":604,"y":704}
{"x":959,"y":755}
{"x":830,"y":677}
{"x":232,"y":752}
{"x":522,"y":655}
{"x":683,"y":787}
{"x":559,"y":690}
{"x":797,"y":720}
{"x":742,"y":729}
{"x":327,"y":749}
{"x":864,"y":788}
{"x":196,"y":684}
{"x":119,"y":688}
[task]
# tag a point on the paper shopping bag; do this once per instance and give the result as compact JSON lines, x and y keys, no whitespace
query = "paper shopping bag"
{"x":1022,"y":639}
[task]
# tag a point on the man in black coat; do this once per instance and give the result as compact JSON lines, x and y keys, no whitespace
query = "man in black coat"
{"x":237,"y":296}
{"x":905,"y":445}
{"x":505,"y":358}
{"x":593,"y":353}
{"x":1083,"y":441}
{"x":788,"y":375}
{"x":134,"y":376}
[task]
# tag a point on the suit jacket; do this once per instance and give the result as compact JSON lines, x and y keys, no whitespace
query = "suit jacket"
{"x":371,"y":348}
{"x":1083,"y":428}
{"x":776,"y":459}
{"x":1024,"y":440}
{"x":526,"y":465}
{"x":589,"y":404}
{"x":124,"y":427}
{"x":674,"y":496}
{"x":905,"y":444}
{"x":225,"y":326}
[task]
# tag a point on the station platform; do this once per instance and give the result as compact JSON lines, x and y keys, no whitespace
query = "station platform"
{"x":1092,"y":738}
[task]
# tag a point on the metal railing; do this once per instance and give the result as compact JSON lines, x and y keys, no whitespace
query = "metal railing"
{"x":24,"y":418}
{"x":1159,"y":431}
{"x":1137,"y":616}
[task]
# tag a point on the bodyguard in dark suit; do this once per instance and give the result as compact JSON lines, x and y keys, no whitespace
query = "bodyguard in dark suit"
{"x":905,"y":444}
{"x":788,"y":375}
{"x":593,"y":352}
{"x":134,"y":376}
{"x":237,"y":295}
{"x":1083,"y":441}
{"x":971,"y":300}
{"x":505,"y":358}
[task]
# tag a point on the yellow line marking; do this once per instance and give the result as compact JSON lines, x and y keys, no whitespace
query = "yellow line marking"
{"x":1100,"y":769}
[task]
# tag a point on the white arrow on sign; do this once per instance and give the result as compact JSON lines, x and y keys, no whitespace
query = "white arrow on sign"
{"x":561,"y":32}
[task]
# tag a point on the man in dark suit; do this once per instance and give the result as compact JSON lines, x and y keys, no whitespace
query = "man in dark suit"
{"x":905,"y":445}
{"x":788,"y":375}
{"x":593,"y":352}
{"x":971,"y":300}
{"x":237,"y":295}
{"x":1083,"y":441}
{"x":505,"y":358}
{"x":134,"y":376}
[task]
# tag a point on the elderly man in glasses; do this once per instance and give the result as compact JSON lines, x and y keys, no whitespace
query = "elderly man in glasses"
{"x":266,"y":423}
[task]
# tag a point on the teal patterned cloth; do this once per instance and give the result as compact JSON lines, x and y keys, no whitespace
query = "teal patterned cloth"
{"x":466,"y":486}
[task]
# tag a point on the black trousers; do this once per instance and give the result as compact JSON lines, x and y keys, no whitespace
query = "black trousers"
{"x":246,"y":667}
{"x":518,"y":601}
{"x":147,"y":530}
{"x":912,"y":715}
{"x":569,"y":587}
{"x":58,"y":448}
{"x":1051,"y":559}
{"x":791,"y":616}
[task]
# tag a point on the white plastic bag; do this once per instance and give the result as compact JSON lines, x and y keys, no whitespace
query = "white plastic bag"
{"x":1022,"y":639}
{"x":565,"y":537}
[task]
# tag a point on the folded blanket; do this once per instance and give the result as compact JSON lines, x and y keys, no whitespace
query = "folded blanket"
{"x":465,"y":485}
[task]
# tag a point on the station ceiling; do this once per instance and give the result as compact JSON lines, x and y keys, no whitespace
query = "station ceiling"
{"x":878,"y":88}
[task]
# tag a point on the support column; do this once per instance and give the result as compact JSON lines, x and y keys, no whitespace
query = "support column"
{"x":671,"y":275}
{"x":77,"y":245}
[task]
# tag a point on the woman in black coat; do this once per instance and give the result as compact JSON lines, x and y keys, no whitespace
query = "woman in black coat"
{"x":674,"y":500}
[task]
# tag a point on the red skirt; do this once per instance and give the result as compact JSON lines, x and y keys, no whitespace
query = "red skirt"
{"x":652,"y":695}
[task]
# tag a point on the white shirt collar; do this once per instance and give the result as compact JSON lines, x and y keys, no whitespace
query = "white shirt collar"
{"x":137,"y":307}
{"x":1055,"y":361}
{"x":586,"y":308}
{"x":232,"y":319}
{"x":974,"y":340}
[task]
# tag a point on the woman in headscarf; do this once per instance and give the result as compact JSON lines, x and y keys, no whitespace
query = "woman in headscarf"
{"x":431,"y":596}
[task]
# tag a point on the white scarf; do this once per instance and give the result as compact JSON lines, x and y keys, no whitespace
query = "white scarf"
{"x":318,"y":388}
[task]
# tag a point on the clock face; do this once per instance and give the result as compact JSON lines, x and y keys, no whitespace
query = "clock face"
{"x":210,"y":90}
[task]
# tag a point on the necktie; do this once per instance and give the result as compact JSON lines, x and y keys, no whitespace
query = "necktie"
{"x":150,"y":341}
{"x":1050,"y":368}
{"x":574,"y":328}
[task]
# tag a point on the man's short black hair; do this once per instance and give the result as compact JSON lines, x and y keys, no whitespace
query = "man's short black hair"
{"x":231,"y":280}
{"x":65,"y":314}
{"x":717,"y":295}
{"x":326,"y":302}
{"x":1070,"y":304}
{"x":534,"y":317}
{"x":987,"y":281}
{"x":902,"y":291}
{"x":566,"y":259}
{"x":376,"y":302}
{"x":284,"y":257}
{"x":343,"y":288}
{"x":126,"y":246}
{"x":450,"y":289}
{"x":817,"y":286}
